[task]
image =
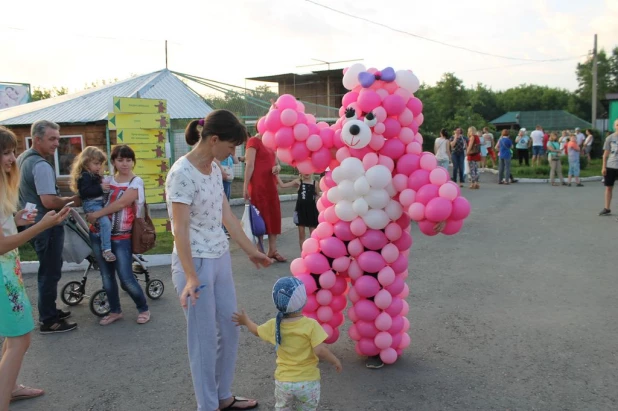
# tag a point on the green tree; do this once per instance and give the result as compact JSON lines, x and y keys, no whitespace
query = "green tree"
{"x":39,"y":93}
{"x":607,"y":81}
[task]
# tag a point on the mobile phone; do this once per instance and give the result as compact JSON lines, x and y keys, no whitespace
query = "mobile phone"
{"x":69,"y":204}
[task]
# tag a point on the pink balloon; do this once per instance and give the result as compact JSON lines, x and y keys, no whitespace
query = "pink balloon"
{"x":417,"y":211}
{"x":366,"y":310}
{"x":383,"y":322}
{"x":342,"y":231}
{"x":367,"y":329}
{"x":377,"y":142}
{"x":354,"y":271}
{"x":380,"y":114}
{"x":396,"y":325}
{"x":379,"y":128}
{"x":273,"y":120}
{"x":328,"y":179}
{"x":386,"y":276}
{"x":312,"y":304}
{"x":310,"y":246}
{"x":325,"y":313}
{"x":327,"y":279}
{"x":324,"y":230}
{"x":395,"y":308}
{"x":406,"y":135}
{"x":261,"y":125}
{"x":428,"y":161}
{"x":383,"y":340}
{"x":316,"y":263}
{"x":404,"y":222}
{"x":285,"y":155}
{"x":333,"y":247}
{"x":407,"y":197}
{"x":448,"y":190}
{"x":438,"y":209}
{"x":426,"y":193}
{"x":370,"y":160}
{"x":341,"y":264}
{"x":297,"y":266}
{"x":314,"y":142}
{"x":300,"y":106}
{"x":438,"y":176}
{"x":353,"y":333}
{"x":398,"y":266}
{"x":289,"y":117}
{"x":415,"y":105}
{"x":393,"y":231}
{"x":301,"y":132}
{"x":321,"y":159}
{"x":330,"y":216}
{"x":367,"y":347}
{"x":400,"y":182}
{"x":427,"y":227}
{"x":338,"y":303}
{"x":342,"y":154}
{"x":333,"y":337}
{"x":367,"y":286}
{"x":354,"y":297}
{"x":327,"y":135}
{"x":406,"y":324}
{"x":408,"y":163}
{"x":337,"y":320}
{"x":349,"y":98}
{"x":286,"y":101}
{"x":368,"y":100}
{"x":383,"y":300}
{"x":406,"y":118}
{"x":390,"y":252}
{"x":324,"y":297}
{"x":355,"y":247}
{"x":396,"y":340}
{"x":404,"y":242}
{"x":405,"y":341}
{"x":414,"y":148}
{"x":268,"y":139}
{"x":302,"y":117}
{"x":306,"y":167}
{"x":374,"y":239}
{"x":310,"y":120}
{"x":461,"y":208}
{"x":382,"y":93}
{"x":418,"y":179}
{"x":310,"y":285}
{"x":386,"y":162}
{"x":420,"y":119}
{"x":370,"y":262}
{"x":313,"y":315}
{"x":358,"y":227}
{"x":352,"y":312}
{"x":388,"y":356}
{"x":452,"y":227}
{"x":300,"y":151}
{"x":393,"y":148}
{"x":392,"y":129}
{"x":394,"y":105}
{"x":418,"y":138}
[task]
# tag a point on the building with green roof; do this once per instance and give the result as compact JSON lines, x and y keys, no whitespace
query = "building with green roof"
{"x":548,"y":119}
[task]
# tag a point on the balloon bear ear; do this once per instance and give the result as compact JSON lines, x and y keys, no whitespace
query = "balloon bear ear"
{"x":407,"y":80}
{"x":350,"y":76}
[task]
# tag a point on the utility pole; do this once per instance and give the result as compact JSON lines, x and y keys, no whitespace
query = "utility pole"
{"x":165,"y":53}
{"x":594,"y":83}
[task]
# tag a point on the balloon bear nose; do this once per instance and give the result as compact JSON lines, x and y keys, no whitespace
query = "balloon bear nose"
{"x":354,"y":130}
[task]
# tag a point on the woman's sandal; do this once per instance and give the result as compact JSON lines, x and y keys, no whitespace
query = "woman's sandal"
{"x":235,"y":405}
{"x":110,"y":318}
{"x":143,"y":318}
{"x":278,"y":257}
{"x":24,"y":393}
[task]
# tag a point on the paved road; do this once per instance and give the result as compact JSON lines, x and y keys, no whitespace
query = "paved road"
{"x":517,"y":312}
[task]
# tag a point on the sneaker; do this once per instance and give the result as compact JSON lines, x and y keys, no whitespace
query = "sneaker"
{"x":579,"y":185}
{"x":374,"y":362}
{"x":58,"y":327}
{"x":605,"y":211}
{"x":564,"y":184}
{"x":514,"y":181}
{"x":63,"y":315}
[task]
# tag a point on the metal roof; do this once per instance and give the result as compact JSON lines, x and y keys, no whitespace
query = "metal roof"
{"x":94,"y":104}
{"x":548,"y":119}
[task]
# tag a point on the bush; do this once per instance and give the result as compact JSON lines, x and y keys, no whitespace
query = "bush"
{"x":428,"y":142}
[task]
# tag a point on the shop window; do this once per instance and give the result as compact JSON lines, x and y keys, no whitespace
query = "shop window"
{"x":69,"y":148}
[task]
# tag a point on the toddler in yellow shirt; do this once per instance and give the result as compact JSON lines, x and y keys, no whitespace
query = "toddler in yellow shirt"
{"x":299,"y":342}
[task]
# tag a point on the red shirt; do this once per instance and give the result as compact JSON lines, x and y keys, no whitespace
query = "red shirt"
{"x":545,"y":140}
{"x":475,"y":157}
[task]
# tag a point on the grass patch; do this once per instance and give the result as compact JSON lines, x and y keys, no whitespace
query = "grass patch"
{"x":165,"y":244}
{"x":592,"y":169}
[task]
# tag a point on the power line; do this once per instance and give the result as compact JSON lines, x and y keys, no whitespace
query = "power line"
{"x":517,"y":65}
{"x":407,"y":33}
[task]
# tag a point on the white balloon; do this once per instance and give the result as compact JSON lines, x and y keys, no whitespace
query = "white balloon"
{"x":338,"y":175}
{"x":378,"y":176}
{"x":333,"y":195}
{"x":350,"y":78}
{"x":361,"y":186}
{"x":345,"y":211}
{"x":408,"y":80}
{"x":390,"y":189}
{"x":353,"y":168}
{"x":393,"y":210}
{"x":346,"y":190}
{"x":377,"y":198}
{"x":360,"y":206}
{"x":376,"y":219}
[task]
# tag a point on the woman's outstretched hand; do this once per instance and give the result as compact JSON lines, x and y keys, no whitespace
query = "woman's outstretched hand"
{"x":260,"y":259}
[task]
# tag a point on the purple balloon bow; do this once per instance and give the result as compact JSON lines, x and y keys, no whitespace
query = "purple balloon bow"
{"x":366,"y":79}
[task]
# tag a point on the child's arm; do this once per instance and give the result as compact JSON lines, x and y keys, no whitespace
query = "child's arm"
{"x":295,"y":182}
{"x":243,"y":319}
{"x":324,"y":353}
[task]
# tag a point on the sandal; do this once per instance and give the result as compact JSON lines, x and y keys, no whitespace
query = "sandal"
{"x":109,"y":256}
{"x":110,"y":318}
{"x":143,"y":318}
{"x":24,"y":393}
{"x":239,"y":400}
{"x":278,"y":257}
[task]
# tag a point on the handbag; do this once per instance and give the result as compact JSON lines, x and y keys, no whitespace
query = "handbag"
{"x":253,"y":225}
{"x":143,"y":235}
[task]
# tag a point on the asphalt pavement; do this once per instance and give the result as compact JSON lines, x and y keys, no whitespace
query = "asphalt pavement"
{"x":516,"y":312}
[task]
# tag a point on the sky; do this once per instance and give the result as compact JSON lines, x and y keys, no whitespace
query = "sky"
{"x":72,"y":43}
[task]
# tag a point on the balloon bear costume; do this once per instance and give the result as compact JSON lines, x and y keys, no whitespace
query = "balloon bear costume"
{"x":378,"y":180}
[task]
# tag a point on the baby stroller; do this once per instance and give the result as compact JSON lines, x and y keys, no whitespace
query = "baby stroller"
{"x":77,"y":248}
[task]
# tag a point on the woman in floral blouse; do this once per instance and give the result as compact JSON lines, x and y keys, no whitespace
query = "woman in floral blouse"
{"x":16,"y":321}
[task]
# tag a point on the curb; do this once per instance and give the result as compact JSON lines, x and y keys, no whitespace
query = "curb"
{"x":546,"y":180}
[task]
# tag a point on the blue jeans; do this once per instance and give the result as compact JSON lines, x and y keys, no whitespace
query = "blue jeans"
{"x":443,"y":163}
{"x":458,"y":165}
{"x":105,"y":224}
{"x":574,"y":168}
{"x":123,"y":266}
{"x":48,"y":246}
{"x":227,"y":189}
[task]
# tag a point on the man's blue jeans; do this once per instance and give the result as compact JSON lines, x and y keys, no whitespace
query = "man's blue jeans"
{"x":122,"y":266}
{"x":48,"y":246}
{"x":458,"y":167}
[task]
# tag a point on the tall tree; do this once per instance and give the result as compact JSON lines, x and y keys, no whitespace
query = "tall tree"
{"x":43,"y":93}
{"x":607,"y":80}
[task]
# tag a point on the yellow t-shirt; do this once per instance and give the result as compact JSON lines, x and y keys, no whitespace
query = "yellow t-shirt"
{"x":296,"y":360}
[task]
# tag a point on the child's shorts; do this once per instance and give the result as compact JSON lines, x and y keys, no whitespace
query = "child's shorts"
{"x":302,"y":395}
{"x":574,"y":168}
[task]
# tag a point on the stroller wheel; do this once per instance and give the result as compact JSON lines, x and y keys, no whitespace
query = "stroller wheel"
{"x":99,"y":304}
{"x":154,"y":289}
{"x":72,"y":293}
